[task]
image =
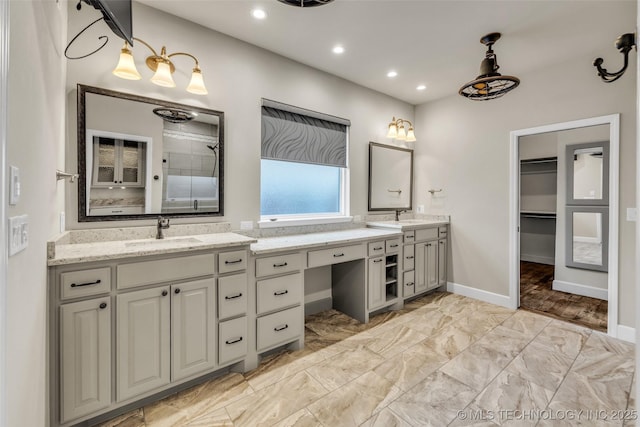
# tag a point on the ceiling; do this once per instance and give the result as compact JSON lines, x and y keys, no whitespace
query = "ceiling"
{"x":429,"y":42}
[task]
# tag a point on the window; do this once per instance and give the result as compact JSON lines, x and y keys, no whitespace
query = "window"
{"x":304,"y":164}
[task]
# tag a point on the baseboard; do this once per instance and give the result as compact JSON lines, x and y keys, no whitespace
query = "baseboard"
{"x":627,"y":333}
{"x":318,"y":306}
{"x":479,"y":294}
{"x":539,"y":259}
{"x":578,"y":289}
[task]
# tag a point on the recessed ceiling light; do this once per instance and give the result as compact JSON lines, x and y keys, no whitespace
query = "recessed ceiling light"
{"x":421,"y":87}
{"x":258,"y":13}
{"x":392,"y":73}
{"x":338,"y":49}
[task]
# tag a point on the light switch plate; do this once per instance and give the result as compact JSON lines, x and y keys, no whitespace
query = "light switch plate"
{"x":632,"y":214}
{"x":14,"y":185}
{"x":18,"y":233}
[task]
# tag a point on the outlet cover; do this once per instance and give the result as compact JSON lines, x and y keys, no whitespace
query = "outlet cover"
{"x":63,"y":222}
{"x":18,"y":234}
{"x":632,"y":214}
{"x":14,"y":185}
{"x":420,"y":209}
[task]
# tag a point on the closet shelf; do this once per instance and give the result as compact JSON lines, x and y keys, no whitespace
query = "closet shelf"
{"x":538,"y":214}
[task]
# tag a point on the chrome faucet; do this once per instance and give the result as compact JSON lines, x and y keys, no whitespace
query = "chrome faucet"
{"x":398,"y":212}
{"x":163,"y":224}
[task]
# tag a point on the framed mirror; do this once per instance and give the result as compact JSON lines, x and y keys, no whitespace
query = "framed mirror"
{"x":587,"y":243}
{"x":588,"y":174}
{"x":390,"y":177}
{"x":140,"y":157}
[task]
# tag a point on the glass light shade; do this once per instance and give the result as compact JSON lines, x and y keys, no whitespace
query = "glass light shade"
{"x":411,"y":136}
{"x":196,"y":85}
{"x":402,"y":134}
{"x":126,"y":68}
{"x":162,"y":77}
{"x":393,"y":131}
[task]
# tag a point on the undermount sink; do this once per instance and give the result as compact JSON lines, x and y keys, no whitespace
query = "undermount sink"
{"x":155,"y":242}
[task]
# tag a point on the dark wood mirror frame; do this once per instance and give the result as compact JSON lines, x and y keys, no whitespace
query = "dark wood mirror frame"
{"x":83,"y":90}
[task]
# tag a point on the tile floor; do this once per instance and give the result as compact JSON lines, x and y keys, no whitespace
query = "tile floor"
{"x":443,"y":360}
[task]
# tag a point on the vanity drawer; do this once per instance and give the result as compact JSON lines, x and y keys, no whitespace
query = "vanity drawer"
{"x":279,"y":292}
{"x":376,"y":248}
{"x":392,"y":245}
{"x":83,"y":283}
{"x":409,"y":236}
{"x":232,"y":340}
{"x":279,"y":328}
{"x":408,"y":281}
{"x":164,"y":270}
{"x":115,"y":210}
{"x":426,"y":234}
{"x":232,"y":296}
{"x":409,"y":257}
{"x":278,"y":265}
{"x":443,"y":231}
{"x":232,"y":261}
{"x":335,"y":255}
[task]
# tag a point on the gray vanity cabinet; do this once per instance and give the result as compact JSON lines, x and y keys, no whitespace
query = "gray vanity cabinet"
{"x":142,"y":341}
{"x":424,"y":260}
{"x":426,"y":269}
{"x":382,"y":273}
{"x":375,"y":283}
{"x":85,"y":352}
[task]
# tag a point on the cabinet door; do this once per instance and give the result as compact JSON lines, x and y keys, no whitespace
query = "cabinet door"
{"x":442,"y":262}
{"x":376,"y":283}
{"x":193,"y":334}
{"x":131,"y":161}
{"x":105,"y":162}
{"x":85,"y":352}
{"x":409,"y":257}
{"x":143,"y":346}
{"x":432,"y":264}
{"x":420,"y":267}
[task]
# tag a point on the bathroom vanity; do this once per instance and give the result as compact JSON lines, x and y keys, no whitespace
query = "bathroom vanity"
{"x":132,"y":321}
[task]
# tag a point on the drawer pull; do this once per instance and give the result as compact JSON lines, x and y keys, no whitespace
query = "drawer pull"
{"x":278,"y":293}
{"x":393,"y":246}
{"x":410,"y":236}
{"x":281,"y":328}
{"x":377,"y":260}
{"x":73,"y":285}
{"x":238,"y":295}
{"x":233,"y":341}
{"x":338,"y":255}
{"x":443,"y":232}
{"x":284,"y":264}
{"x":237,"y":261}
{"x":409,"y":284}
{"x":103,"y":305}
{"x":379,"y":248}
{"x":429,"y":244}
{"x":409,"y":257}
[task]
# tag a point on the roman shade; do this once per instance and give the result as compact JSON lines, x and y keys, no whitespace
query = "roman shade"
{"x":297,"y":135}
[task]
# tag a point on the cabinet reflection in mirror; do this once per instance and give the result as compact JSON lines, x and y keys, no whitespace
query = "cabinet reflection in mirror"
{"x":587,"y":231}
{"x":140,"y":157}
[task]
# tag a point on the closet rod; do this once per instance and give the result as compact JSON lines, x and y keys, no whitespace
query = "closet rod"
{"x":541,"y":160}
{"x":540,"y":216}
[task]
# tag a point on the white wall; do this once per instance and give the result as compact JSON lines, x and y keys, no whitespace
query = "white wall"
{"x":35,"y":145}
{"x":464,"y":148}
{"x":237,"y":76}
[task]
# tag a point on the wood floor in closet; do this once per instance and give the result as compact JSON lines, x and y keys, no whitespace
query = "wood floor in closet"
{"x":536,"y":295}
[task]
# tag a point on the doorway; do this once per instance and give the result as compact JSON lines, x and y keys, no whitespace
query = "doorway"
{"x":551,"y":225}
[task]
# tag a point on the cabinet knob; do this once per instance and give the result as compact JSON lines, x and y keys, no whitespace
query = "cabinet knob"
{"x":103,"y":305}
{"x":165,"y":293}
{"x":177,"y":291}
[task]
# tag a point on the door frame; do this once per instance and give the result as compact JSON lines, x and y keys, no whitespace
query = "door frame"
{"x":613,"y":120}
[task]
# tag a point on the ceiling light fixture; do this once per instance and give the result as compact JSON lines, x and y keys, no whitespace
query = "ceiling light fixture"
{"x":624,"y":44}
{"x":305,"y":3}
{"x":397,"y":130}
{"x":392,"y":73}
{"x":489,"y":84}
{"x":338,"y":50}
{"x":161,"y":65}
{"x":421,"y":87}
{"x":258,"y":13}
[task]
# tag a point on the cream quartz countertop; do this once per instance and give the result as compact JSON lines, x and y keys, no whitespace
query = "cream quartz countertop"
{"x":319,"y":240}
{"x":408,"y":224}
{"x":72,"y":253}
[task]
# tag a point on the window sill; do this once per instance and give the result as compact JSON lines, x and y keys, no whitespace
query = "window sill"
{"x":293,"y":222}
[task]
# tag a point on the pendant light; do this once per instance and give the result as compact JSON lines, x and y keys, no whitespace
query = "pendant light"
{"x":489,"y":84}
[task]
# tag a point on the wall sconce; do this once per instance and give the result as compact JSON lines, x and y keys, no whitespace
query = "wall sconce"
{"x":624,"y":44}
{"x":161,"y":65}
{"x":397,"y":131}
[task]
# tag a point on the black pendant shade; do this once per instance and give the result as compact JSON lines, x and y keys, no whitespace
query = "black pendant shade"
{"x":305,"y":3}
{"x":490,"y":84}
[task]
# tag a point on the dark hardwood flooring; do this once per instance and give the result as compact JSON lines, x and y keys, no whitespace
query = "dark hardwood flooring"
{"x":536,"y":295}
